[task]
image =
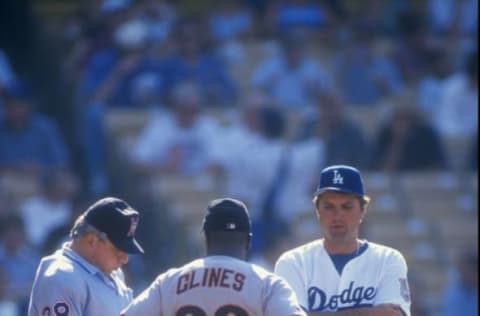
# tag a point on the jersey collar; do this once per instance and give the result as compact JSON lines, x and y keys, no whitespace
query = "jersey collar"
{"x":72,"y":255}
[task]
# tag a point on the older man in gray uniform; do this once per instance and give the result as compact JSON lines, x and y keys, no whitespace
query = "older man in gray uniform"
{"x":84,"y":277}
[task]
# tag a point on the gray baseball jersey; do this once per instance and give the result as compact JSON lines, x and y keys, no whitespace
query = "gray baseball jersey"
{"x":68,"y":285}
{"x":375,"y":276}
{"x":216,"y":286}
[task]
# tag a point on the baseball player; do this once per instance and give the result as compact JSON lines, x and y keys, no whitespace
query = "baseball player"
{"x":84,"y":277}
{"x":222,"y":283}
{"x":341,"y":274}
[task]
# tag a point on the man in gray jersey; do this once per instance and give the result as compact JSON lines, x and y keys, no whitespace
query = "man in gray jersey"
{"x":84,"y":277}
{"x":222,"y":283}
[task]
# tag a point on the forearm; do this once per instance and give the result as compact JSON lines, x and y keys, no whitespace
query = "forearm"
{"x":380,"y":310}
{"x":352,"y":312}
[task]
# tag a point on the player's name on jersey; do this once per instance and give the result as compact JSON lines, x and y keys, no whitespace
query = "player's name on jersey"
{"x":360,"y":297}
{"x":211,"y":277}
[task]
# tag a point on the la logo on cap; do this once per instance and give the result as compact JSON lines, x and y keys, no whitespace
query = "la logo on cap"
{"x":133,"y":226}
{"x":337,"y":177}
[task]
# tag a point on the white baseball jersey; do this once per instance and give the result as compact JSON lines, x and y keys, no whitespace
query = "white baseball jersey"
{"x":216,"y":286}
{"x":375,"y":275}
{"x":68,"y":285}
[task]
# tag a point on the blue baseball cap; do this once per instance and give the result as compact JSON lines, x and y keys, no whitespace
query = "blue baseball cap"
{"x":341,"y":178}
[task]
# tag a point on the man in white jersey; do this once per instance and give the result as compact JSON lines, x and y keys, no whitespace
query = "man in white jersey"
{"x":222,"y":283}
{"x":341,"y":274}
{"x":84,"y":277}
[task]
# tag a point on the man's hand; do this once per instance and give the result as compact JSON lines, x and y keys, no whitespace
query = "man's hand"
{"x":380,"y":310}
{"x":386,"y":310}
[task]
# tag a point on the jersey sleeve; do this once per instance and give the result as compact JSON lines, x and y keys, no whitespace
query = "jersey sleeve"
{"x":289,"y":267}
{"x":56,"y":295}
{"x":147,"y":303}
{"x":281,"y":299}
{"x":393,"y":288}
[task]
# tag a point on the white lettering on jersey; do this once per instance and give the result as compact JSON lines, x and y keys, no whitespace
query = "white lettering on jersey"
{"x":211,"y":277}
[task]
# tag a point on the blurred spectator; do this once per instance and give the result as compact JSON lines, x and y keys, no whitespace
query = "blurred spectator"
{"x":272,"y":176}
{"x":457,"y":112}
{"x":7,"y":75}
{"x":192,"y":59}
{"x":292,"y":78}
{"x":345,"y":141}
{"x":288,"y":15}
{"x":378,"y":17}
{"x":98,"y":47}
{"x":8,"y":307}
{"x":416,"y":284}
{"x":440,"y":15}
{"x":134,"y":68}
{"x":472,"y":154}
{"x":160,"y":17}
{"x":6,"y":201}
{"x":98,"y":33}
{"x":229,"y":21}
{"x":276,"y":242}
{"x":29,"y":141}
{"x":412,"y":46}
{"x":180,"y":141}
{"x":451,"y":17}
{"x":461,"y":293}
{"x":432,"y":82}
{"x":18,"y":260}
{"x":49,"y":209}
{"x":264,"y":172}
{"x":407,"y":142}
{"x":365,"y":71}
{"x":126,"y":74}
{"x":243,"y":130}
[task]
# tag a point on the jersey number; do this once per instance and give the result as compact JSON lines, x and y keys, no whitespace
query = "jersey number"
{"x":227,"y":310}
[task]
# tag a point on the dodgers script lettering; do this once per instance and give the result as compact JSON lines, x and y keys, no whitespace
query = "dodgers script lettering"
{"x":349,"y":297}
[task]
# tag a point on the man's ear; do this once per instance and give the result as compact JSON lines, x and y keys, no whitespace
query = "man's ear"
{"x":315,"y":206}
{"x":91,"y":239}
{"x":364,"y":207}
{"x":249,"y":242}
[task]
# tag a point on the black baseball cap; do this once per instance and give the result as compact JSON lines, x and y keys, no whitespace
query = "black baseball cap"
{"x":227,"y":215}
{"x":341,"y":178}
{"x":118,"y":220}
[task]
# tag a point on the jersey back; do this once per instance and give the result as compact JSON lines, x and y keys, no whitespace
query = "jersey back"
{"x":217,"y":286}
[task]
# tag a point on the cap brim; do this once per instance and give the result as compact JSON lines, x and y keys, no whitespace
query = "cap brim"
{"x":323,"y":190}
{"x":130,"y":246}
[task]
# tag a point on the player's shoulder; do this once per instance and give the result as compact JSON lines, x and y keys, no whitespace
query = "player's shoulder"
{"x":175,"y":271}
{"x":384,"y":251}
{"x":59,"y":269}
{"x":302,"y":251}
